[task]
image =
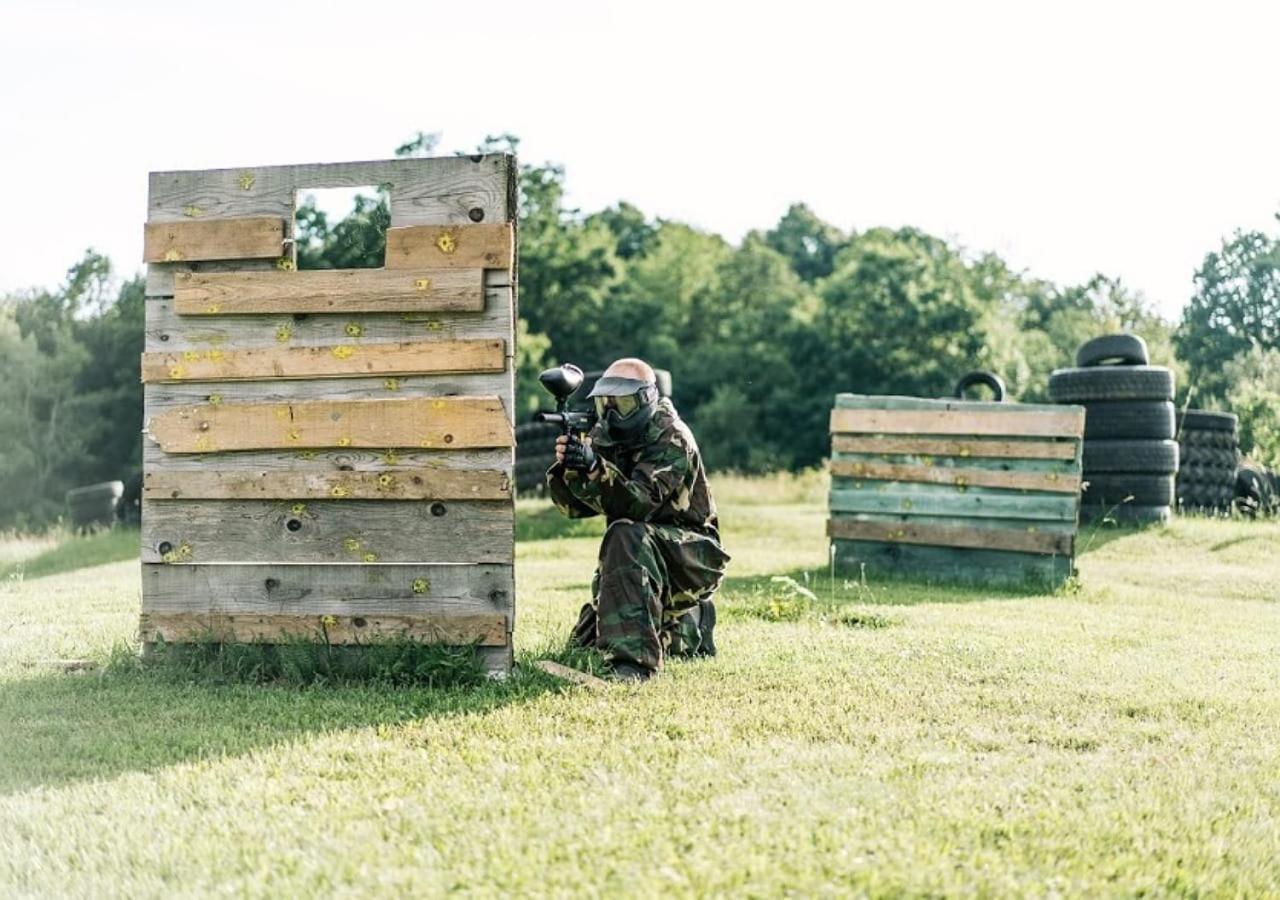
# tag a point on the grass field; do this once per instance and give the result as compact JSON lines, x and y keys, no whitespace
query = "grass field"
{"x":1120,"y":737}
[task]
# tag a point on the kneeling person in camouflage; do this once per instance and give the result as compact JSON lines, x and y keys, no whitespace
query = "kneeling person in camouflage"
{"x":661,"y":559}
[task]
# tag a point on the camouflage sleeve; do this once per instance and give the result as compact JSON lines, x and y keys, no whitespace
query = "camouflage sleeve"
{"x":654,"y":479}
{"x":560,"y":486}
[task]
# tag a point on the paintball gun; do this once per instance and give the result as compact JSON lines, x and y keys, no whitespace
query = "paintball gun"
{"x":562,"y":381}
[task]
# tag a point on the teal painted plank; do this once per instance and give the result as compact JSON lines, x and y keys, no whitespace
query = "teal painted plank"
{"x":944,"y":500}
{"x":933,"y":565}
{"x":1060,"y":466}
{"x":995,"y":524}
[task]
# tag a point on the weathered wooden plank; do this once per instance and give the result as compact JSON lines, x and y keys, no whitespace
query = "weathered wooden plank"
{"x":450,"y":422}
{"x":162,"y":278}
{"x":1025,"y":540}
{"x":1054,"y":482}
{"x":482,"y":629}
{"x":443,"y":190}
{"x":891,"y":498}
{"x":338,"y":361}
{"x":950,"y":565}
{"x":167,"y":331}
{"x":1067,"y":421}
{"x":391,"y":483}
{"x":260,"y":237}
{"x":322,"y":461}
{"x":332,"y":530}
{"x":950,"y":404}
{"x":339,"y":291}
{"x":352,"y":590}
{"x":920,"y":446}
{"x":451,"y":246}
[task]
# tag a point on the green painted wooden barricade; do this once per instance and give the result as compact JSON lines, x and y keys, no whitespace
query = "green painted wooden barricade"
{"x":955,"y":491}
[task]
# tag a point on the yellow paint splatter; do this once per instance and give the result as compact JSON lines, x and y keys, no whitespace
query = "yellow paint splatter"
{"x":338,"y":491}
{"x":213,"y":309}
{"x":425,"y":445}
{"x":298,"y":509}
{"x":172,"y":255}
{"x":328,"y":621}
{"x":344,"y":351}
{"x":438,"y":404}
{"x":435,"y":325}
{"x":192,"y":212}
{"x":215,"y":399}
{"x":293,"y":434}
{"x":351,"y":544}
{"x":282,"y":412}
{"x":176,"y":371}
{"x":390,"y":458}
{"x":447,"y":242}
{"x":307,"y":454}
{"x":213,"y":355}
{"x":420,"y":585}
{"x":422,"y":284}
{"x":170,"y":557}
{"x":391,"y":384}
{"x":283,"y":333}
{"x":344,"y":441}
{"x":385,"y":480}
{"x":246,"y":180}
{"x":203,"y":444}
{"x":191,"y":355}
{"x":284,"y":264}
{"x":370,"y":557}
{"x":354,"y":329}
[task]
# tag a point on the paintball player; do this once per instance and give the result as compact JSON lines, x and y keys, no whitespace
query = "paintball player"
{"x":661,"y":559}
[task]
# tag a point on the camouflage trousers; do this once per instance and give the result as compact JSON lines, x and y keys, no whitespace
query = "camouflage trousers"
{"x":646,"y":590}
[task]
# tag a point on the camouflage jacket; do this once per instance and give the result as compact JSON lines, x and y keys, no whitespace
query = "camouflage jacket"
{"x":659,"y":479}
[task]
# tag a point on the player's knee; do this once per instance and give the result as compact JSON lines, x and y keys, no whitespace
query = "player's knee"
{"x":622,"y":535}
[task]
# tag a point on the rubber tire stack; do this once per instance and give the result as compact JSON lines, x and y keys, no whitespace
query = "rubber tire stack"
{"x":1130,"y":455}
{"x":1209,"y":453}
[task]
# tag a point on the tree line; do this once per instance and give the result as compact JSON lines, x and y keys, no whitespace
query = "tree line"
{"x":758,"y":335}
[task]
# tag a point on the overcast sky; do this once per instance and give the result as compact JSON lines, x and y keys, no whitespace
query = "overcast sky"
{"x":1073,"y":137}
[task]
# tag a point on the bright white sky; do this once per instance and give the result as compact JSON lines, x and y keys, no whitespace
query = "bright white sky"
{"x":1070,"y":137}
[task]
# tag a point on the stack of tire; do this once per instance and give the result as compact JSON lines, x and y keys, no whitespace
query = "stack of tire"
{"x":1208,"y":453}
{"x":1130,"y":455}
{"x":536,"y":441}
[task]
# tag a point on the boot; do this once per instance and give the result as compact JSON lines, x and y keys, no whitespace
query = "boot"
{"x":707,"y":627}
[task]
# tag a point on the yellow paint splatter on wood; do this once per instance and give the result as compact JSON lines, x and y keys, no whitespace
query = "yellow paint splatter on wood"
{"x":447,"y":242}
{"x":370,"y":557}
{"x":390,"y":458}
{"x":203,"y":444}
{"x":215,"y":399}
{"x":344,"y":351}
{"x":283,"y":333}
{"x":338,"y":491}
{"x":344,"y":441}
{"x":176,"y":371}
{"x":298,"y":509}
{"x":246,"y":180}
{"x":191,"y":355}
{"x":420,"y":585}
{"x":293,"y":434}
{"x":213,"y":309}
{"x":422,"y":284}
{"x":284,"y":264}
{"x":385,"y":480}
{"x":354,"y":329}
{"x":352,"y":545}
{"x":172,"y":255}
{"x":391,"y":384}
{"x":192,"y":212}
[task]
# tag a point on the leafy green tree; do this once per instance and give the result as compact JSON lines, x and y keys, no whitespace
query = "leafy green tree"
{"x":1236,"y":305}
{"x":1253,"y":394}
{"x":809,"y":243}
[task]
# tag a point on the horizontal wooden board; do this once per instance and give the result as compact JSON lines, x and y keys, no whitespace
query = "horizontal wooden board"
{"x":338,"y":361}
{"x":987,"y":449}
{"x":353,"y":590}
{"x":448,"y":422}
{"x":442,"y":190}
{"x":1054,"y":482}
{"x":249,"y":238}
{"x":332,"y":291}
{"x":183,"y":532}
{"x":168,"y":331}
{"x":1024,"y":540}
{"x":323,"y":461}
{"x":1067,"y":421}
{"x":264,"y":628}
{"x":451,"y":246}
{"x":876,"y":560}
{"x":162,"y":278}
{"x":296,"y":484}
{"x":897,"y":499}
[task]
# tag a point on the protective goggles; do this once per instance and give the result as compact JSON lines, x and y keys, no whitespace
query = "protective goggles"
{"x":625,"y":405}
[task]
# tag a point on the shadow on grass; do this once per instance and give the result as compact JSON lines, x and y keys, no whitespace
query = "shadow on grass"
{"x":65,"y":728}
{"x":115,"y":545}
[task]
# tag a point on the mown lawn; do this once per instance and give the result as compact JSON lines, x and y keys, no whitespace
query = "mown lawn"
{"x":1120,"y":737}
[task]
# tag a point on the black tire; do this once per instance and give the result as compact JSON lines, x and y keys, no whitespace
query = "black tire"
{"x":1149,"y":457}
{"x":990,"y":379}
{"x":1123,"y":419}
{"x":1111,"y":383}
{"x":1123,"y":349}
{"x":1203,"y":420}
{"x":1126,"y":514}
{"x":1128,"y":488}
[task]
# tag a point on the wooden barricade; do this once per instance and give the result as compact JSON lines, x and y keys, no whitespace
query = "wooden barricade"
{"x":955,"y":491}
{"x":329,"y":453}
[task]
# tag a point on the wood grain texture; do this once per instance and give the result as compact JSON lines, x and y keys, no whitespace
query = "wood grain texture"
{"x":352,"y":590}
{"x":168,"y":331}
{"x":1024,"y":540}
{"x":184,"y":532}
{"x":391,"y":483}
{"x":484,"y":630}
{"x":249,"y":238}
{"x":1066,"y":422}
{"x":254,"y":463}
{"x":451,"y":246}
{"x":919,"y":446}
{"x":338,"y":361}
{"x":449,"y":422}
{"x":442,"y":190}
{"x":1054,"y":482}
{"x":336,"y":291}
{"x":897,"y":499}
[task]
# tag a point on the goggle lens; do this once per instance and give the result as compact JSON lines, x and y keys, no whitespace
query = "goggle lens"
{"x":625,"y":405}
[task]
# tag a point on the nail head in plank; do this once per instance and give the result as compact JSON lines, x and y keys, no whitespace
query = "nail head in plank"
{"x":441,"y":422}
{"x":488,"y":630}
{"x":253,"y":238}
{"x":340,"y":291}
{"x":338,"y":361}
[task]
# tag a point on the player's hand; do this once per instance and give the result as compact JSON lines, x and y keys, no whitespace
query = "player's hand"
{"x":579,"y":457}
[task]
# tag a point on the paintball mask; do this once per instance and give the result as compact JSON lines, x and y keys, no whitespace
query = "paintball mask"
{"x":624,"y":405}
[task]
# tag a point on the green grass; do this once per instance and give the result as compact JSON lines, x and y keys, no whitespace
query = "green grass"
{"x":35,"y":557}
{"x":1119,"y":737}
